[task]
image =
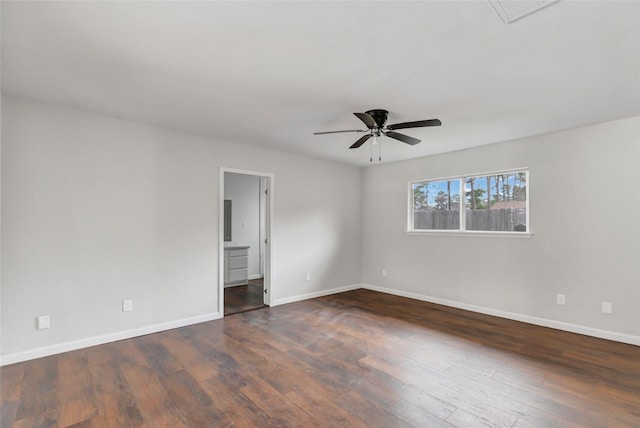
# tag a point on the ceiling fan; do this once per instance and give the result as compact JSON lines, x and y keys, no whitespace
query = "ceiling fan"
{"x":376,"y":121}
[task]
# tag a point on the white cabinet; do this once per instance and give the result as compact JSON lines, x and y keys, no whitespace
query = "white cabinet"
{"x":236,"y":266}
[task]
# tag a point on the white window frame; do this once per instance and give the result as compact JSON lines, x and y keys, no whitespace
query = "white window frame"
{"x":462,"y":231}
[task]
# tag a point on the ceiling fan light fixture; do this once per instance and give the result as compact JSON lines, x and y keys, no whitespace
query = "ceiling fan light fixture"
{"x":376,"y":138}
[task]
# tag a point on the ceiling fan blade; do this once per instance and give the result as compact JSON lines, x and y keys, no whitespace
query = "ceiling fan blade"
{"x":367,"y":119}
{"x":402,"y":137}
{"x":337,"y":132}
{"x":360,"y":142}
{"x":416,"y":124}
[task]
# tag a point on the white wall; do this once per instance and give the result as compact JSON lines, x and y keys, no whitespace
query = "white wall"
{"x":244,"y":192}
{"x":584,"y":209}
{"x":96,"y":210}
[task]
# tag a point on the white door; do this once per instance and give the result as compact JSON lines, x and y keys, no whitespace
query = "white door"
{"x":265,"y":244}
{"x":263,"y":223}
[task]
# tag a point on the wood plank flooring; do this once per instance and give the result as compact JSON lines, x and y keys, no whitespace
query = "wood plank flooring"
{"x":356,"y":359}
{"x":244,"y":298}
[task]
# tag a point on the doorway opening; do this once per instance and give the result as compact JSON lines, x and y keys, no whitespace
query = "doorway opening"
{"x":246,"y":219}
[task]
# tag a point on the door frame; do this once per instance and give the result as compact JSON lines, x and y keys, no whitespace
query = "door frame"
{"x":269,"y":212}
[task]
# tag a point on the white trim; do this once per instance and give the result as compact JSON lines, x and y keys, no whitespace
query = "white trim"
{"x":462,"y":206}
{"x":128,"y":334}
{"x":45,"y":351}
{"x":268,"y":265}
{"x":463,"y":212}
{"x":476,"y":233}
{"x":267,"y":274}
{"x":221,"y":241}
{"x":246,"y":171}
{"x":315,"y":294}
{"x":410,"y":206}
{"x":544,"y":322}
{"x":474,"y":175}
{"x":234,"y":285}
{"x":262,"y":223}
{"x":256,"y":276}
{"x":528,"y":199}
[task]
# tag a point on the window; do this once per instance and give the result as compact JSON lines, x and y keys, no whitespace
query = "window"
{"x":496,"y":202}
{"x":436,"y":205}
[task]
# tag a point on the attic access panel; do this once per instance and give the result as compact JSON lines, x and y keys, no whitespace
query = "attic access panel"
{"x":512,"y":10}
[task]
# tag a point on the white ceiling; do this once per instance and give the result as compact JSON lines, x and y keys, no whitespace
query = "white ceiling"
{"x":272,"y":73}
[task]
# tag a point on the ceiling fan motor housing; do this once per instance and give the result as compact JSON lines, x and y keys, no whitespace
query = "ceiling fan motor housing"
{"x":379,"y":116}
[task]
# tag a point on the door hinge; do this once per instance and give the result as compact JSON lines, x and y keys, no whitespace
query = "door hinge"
{"x":265,"y":291}
{"x":266,"y":191}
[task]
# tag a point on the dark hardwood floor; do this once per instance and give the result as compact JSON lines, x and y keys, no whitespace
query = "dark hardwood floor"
{"x":356,"y":359}
{"x":244,"y":298}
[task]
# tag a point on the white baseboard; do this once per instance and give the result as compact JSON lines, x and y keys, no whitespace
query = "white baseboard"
{"x":317,"y":294}
{"x":234,"y":285}
{"x":99,"y":340}
{"x":250,"y":277}
{"x":544,"y":322}
{"x":112,"y":337}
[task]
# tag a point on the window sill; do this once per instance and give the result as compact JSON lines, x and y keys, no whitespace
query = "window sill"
{"x":471,"y":233}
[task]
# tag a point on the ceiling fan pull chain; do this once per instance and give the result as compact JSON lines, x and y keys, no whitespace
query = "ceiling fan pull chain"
{"x":371,"y":156}
{"x":380,"y":151}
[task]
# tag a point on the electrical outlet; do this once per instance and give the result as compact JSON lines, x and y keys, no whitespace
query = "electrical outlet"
{"x":308,"y":276}
{"x":561,"y":299}
{"x":127,"y":305}
{"x":44,"y":322}
{"x":607,"y":307}
{"x":384,"y":272}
